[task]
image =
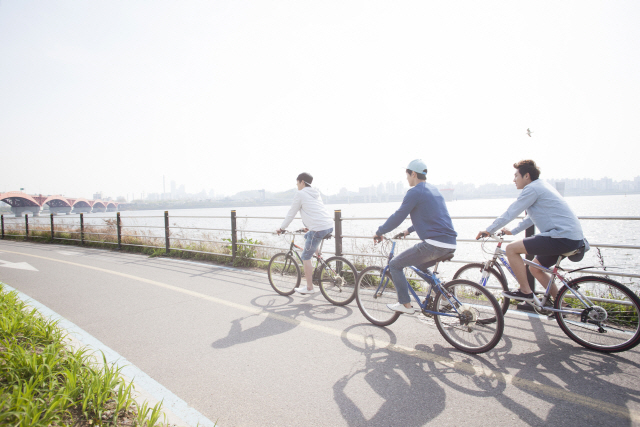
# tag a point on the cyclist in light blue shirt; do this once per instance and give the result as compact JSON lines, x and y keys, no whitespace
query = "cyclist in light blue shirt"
{"x":560,"y":230}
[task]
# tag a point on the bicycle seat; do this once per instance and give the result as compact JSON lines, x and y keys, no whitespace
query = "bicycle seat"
{"x":327,"y":237}
{"x":437,"y":260}
{"x":576,"y":255}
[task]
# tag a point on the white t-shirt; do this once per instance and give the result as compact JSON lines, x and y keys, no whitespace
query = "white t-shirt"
{"x":315,"y":216}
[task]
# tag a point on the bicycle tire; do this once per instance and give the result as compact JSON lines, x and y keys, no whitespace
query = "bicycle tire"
{"x":473,"y":272}
{"x":284,"y":274}
{"x":372,"y":305}
{"x":337,"y":280}
{"x":620,"y":331}
{"x":480,"y":324}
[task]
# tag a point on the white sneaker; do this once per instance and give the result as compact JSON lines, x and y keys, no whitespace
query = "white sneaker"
{"x":303,"y":290}
{"x":400,"y":308}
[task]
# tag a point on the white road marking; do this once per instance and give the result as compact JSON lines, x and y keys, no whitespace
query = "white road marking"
{"x":70,"y":253}
{"x":17,"y":265}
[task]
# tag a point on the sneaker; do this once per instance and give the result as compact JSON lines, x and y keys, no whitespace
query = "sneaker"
{"x":303,"y":290}
{"x":518,"y":295}
{"x":400,"y":308}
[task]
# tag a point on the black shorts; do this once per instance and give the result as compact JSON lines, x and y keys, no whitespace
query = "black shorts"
{"x":547,"y":249}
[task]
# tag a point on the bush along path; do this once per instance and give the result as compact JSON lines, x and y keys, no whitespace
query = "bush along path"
{"x":44,"y":382}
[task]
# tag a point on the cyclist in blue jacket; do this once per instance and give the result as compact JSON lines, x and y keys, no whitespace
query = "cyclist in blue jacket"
{"x":430,"y":219}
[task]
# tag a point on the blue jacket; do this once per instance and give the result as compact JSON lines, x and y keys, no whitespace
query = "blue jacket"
{"x":546,"y":209}
{"x":429,"y":215}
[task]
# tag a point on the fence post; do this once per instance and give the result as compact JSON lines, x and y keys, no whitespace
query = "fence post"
{"x":234,"y":236}
{"x":81,"y":229}
{"x":26,"y":226}
{"x":2,"y":225}
{"x":338,"y":231}
{"x":119,"y":230}
{"x":51,"y":215}
{"x":167,"y":243}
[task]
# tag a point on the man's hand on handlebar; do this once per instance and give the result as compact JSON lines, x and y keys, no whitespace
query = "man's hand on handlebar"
{"x":482,"y":234}
{"x":402,"y":235}
{"x":505,"y":231}
{"x":279,"y":231}
{"x":377,"y":239}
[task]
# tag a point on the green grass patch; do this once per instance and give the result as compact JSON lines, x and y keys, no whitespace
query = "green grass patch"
{"x":44,"y":382}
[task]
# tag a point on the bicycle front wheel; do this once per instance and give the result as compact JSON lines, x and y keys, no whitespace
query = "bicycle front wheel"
{"x":611,"y":325}
{"x":338,"y":279}
{"x":284,"y":274}
{"x":471,"y":318}
{"x":496,"y":282}
{"x":373,"y":293}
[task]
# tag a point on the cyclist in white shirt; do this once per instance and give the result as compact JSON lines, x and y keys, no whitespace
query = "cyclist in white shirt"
{"x":316,"y":219}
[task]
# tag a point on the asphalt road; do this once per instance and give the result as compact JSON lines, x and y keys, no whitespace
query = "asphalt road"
{"x":223,"y":341}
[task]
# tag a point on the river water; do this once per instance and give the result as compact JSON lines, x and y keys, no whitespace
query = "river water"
{"x":596,"y":231}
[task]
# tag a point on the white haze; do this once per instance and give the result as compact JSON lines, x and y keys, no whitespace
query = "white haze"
{"x":241,"y":95}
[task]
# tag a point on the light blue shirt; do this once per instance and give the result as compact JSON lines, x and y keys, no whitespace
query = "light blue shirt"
{"x":546,"y":209}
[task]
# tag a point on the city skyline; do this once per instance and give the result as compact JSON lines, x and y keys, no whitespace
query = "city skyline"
{"x":572,"y":186}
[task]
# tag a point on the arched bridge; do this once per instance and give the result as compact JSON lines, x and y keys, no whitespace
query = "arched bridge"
{"x":22,"y":202}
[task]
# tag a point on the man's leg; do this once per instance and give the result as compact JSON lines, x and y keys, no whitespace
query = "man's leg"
{"x":308,"y":273}
{"x":543,"y":278}
{"x":416,"y":255}
{"x":409,"y":257}
{"x":313,"y":240}
{"x":514,"y":255}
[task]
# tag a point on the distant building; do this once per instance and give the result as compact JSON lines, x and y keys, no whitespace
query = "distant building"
{"x":97,"y":196}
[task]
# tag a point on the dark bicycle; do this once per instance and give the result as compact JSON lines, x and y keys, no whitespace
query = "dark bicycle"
{"x":336,"y":276}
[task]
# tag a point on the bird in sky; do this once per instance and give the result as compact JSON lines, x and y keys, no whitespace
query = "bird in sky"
{"x":529,"y":132}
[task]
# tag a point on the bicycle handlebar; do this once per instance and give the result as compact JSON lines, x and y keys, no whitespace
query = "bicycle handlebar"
{"x":302,"y":230}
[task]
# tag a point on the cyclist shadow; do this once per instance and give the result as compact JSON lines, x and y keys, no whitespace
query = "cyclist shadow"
{"x":392,"y":388}
{"x":280,"y":316}
{"x":573,"y":379}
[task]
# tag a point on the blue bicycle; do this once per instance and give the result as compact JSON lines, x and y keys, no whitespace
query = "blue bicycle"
{"x":467,"y":315}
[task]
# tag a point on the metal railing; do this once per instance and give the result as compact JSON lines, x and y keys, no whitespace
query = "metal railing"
{"x":234,"y":243}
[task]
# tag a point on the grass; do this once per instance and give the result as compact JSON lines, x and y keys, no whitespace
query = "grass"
{"x":44,"y":382}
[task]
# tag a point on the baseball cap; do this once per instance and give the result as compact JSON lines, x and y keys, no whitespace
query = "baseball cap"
{"x":418,"y":166}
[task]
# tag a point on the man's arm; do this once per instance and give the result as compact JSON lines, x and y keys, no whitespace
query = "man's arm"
{"x":408,"y":203}
{"x":295,"y":208}
{"x":526,"y":199}
{"x":523,"y":225}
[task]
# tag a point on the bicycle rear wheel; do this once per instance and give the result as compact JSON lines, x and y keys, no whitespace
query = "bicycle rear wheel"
{"x":611,"y":325}
{"x":496,"y":282}
{"x":476,"y":323}
{"x":338,"y":279}
{"x":372,"y":298}
{"x":284,"y":274}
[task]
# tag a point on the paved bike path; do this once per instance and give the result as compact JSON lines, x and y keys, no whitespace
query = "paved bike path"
{"x":225,"y":343}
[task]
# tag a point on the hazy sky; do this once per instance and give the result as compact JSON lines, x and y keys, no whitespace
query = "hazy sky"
{"x":239,"y":95}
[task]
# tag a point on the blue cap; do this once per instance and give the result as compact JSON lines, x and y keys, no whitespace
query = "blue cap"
{"x":418,"y":166}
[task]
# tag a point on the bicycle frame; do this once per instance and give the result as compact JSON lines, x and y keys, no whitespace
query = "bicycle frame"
{"x":432,"y":279}
{"x":319,"y":260}
{"x":500,"y":253}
